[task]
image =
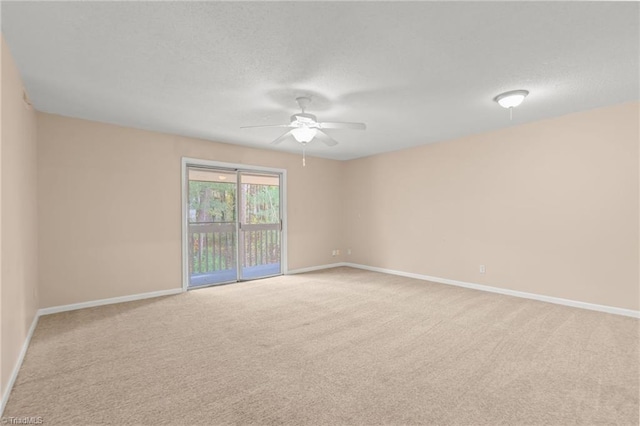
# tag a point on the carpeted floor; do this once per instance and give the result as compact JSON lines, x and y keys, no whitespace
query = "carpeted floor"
{"x":340,"y":346}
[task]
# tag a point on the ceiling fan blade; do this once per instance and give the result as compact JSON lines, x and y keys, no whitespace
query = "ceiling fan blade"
{"x":281,"y":138}
{"x":266,"y":125}
{"x":336,"y":125}
{"x":326,"y":139}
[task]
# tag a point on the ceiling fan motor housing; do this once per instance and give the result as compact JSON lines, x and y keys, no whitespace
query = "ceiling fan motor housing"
{"x":304,"y":119}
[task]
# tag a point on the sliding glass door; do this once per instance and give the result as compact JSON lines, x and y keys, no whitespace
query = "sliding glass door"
{"x":260,"y":225}
{"x":233,"y":225}
{"x":212,"y":226}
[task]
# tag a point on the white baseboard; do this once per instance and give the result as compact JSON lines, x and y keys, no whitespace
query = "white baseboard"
{"x":101,"y":302}
{"x":522,"y":294}
{"x":315,"y":268}
{"x":16,"y":367}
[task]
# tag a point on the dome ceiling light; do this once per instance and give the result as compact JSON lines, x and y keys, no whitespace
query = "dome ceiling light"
{"x":511,"y":99}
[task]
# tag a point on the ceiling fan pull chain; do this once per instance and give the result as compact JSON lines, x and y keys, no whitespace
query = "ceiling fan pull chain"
{"x":304,"y":159}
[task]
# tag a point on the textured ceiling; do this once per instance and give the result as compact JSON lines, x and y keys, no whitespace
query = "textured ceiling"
{"x":415,"y":72}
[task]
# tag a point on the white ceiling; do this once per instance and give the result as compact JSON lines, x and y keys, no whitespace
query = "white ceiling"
{"x":415,"y":72}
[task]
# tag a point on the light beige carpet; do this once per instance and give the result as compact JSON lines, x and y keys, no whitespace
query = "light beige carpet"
{"x":341,"y":346}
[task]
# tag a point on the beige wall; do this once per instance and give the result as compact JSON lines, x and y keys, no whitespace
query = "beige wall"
{"x":549,"y":207}
{"x":109,"y":207}
{"x":19,"y":262}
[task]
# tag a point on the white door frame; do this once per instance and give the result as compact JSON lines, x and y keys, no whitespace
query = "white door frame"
{"x":242,"y":168}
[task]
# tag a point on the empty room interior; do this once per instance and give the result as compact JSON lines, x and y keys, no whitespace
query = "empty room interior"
{"x":319,"y":213}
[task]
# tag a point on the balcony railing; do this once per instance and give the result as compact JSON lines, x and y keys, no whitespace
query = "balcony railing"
{"x":212,"y":249}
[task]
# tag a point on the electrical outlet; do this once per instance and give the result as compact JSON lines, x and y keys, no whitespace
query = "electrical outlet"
{"x":483,"y":269}
{"x":333,"y":253}
{"x":348,"y":251}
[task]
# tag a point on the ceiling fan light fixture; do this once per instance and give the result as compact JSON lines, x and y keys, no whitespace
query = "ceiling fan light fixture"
{"x":304,"y":134}
{"x":305,"y":127}
{"x":511,"y":99}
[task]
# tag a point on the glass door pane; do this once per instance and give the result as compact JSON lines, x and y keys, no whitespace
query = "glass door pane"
{"x":212,"y":226}
{"x":260,"y":225}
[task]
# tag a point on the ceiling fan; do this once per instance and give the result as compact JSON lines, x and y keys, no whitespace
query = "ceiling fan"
{"x":304,"y":127}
